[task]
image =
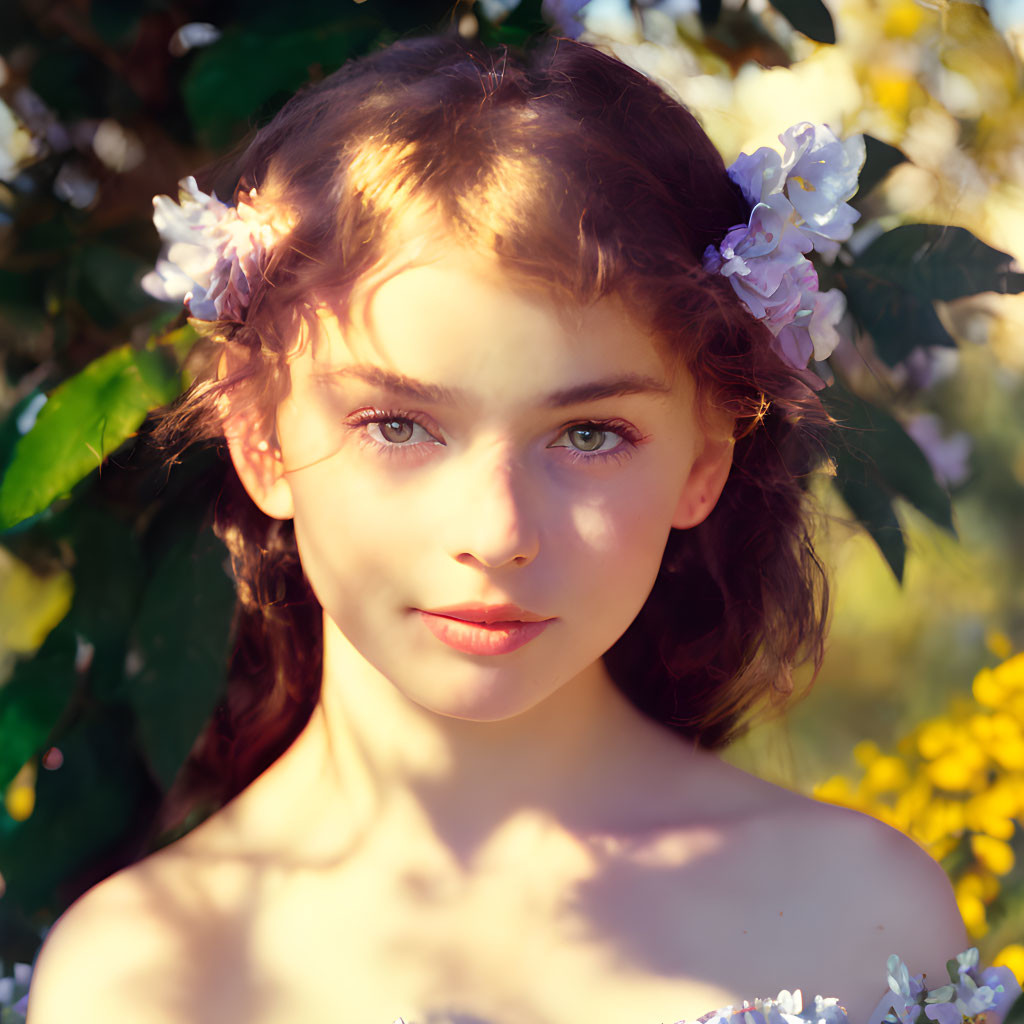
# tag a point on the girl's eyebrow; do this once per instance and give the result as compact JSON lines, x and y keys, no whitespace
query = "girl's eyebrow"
{"x":437,"y":394}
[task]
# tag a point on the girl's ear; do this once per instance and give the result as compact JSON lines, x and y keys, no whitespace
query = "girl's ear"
{"x":707,"y":477}
{"x":260,"y":468}
{"x":257,"y":461}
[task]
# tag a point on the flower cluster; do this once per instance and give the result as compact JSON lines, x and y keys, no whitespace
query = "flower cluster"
{"x":971,"y":992}
{"x":786,"y":1008}
{"x":216,"y":254}
{"x":956,"y":785}
{"x":799,"y":204}
{"x":14,"y":993}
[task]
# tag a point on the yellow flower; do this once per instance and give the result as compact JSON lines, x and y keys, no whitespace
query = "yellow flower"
{"x":941,"y":818}
{"x":993,"y":687}
{"x":885,"y":774}
{"x":903,"y":19}
{"x":1011,"y":956}
{"x":998,"y":643}
{"x":992,"y":812}
{"x":972,"y":910}
{"x":994,"y":854}
{"x":935,"y":737}
{"x":973,"y":891}
{"x":894,"y":90}
{"x":20,"y":798}
{"x":836,"y":790}
{"x":865,"y":752}
{"x":960,"y":769}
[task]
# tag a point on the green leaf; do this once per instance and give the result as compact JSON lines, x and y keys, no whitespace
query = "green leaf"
{"x":953,"y":970}
{"x":892,"y":286}
{"x":86,"y":418}
{"x":888,"y":454}
{"x":82,"y":811}
{"x":182,"y":640}
{"x":871,"y":505}
{"x":33,"y":700}
{"x":104,"y":279}
{"x":233,"y":83}
{"x":107,"y":575}
{"x":897,"y":320}
{"x":1015,"y":1015}
{"x":808,"y":16}
{"x":880,"y":159}
{"x":939,"y":262}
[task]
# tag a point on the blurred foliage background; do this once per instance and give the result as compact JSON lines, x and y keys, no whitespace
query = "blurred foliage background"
{"x":115,"y":603}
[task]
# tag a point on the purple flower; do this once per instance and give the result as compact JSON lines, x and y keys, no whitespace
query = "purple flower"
{"x":943,"y":1013}
{"x":949,"y":458}
{"x":562,"y":13}
{"x":908,"y":988}
{"x":798,"y":205}
{"x":758,"y":174}
{"x":821,"y":175}
{"x":215,"y":252}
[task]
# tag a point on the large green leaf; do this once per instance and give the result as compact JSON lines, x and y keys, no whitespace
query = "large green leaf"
{"x":182,"y":635}
{"x":873,"y":509}
{"x":108,"y":575}
{"x":880,"y":159}
{"x":939,"y":262}
{"x":86,"y":418}
{"x":894,"y":283}
{"x":871,"y":437}
{"x":83,"y":812}
{"x":33,"y":700}
{"x":808,"y":16}
{"x":898,"y":320}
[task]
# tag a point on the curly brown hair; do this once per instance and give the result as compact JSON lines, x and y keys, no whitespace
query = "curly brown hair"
{"x":581,"y":176}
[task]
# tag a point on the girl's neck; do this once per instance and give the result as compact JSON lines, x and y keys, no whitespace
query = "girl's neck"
{"x":581,"y":758}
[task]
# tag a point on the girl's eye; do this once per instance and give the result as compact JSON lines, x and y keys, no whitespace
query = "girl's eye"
{"x":390,"y":430}
{"x":394,"y":432}
{"x":594,"y":441}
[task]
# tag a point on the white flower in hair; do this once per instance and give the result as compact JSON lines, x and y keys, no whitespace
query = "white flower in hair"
{"x":799,"y":204}
{"x":821,"y":175}
{"x":215,"y":253}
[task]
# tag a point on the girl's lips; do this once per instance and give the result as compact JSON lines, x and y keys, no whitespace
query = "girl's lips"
{"x":481,"y":638}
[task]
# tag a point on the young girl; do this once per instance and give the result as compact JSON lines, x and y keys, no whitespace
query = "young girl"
{"x":512,"y":373}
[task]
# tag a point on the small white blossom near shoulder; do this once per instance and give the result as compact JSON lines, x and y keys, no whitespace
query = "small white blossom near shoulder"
{"x":971,"y":992}
{"x":799,"y":201}
{"x":786,"y":1008}
{"x":215,"y":254}
{"x":14,"y":993}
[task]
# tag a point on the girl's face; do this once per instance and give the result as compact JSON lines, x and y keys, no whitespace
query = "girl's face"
{"x":464,"y":441}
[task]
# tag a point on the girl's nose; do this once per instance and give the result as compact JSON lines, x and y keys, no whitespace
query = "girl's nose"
{"x":494,"y":518}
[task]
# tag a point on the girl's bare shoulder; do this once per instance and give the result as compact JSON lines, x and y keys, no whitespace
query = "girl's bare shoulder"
{"x":859,"y":889}
{"x":863,"y":865}
{"x":95,"y":956}
{"x":115,"y":946}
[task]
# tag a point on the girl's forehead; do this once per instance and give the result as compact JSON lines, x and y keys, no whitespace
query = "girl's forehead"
{"x":445,"y":303}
